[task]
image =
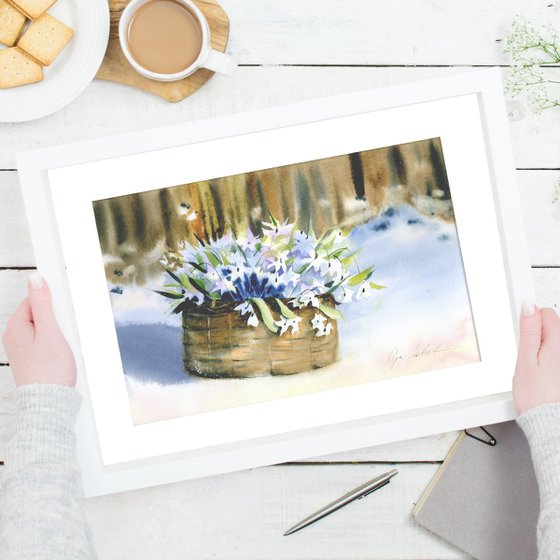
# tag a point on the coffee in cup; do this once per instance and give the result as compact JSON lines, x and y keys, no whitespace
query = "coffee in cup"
{"x":168,"y":40}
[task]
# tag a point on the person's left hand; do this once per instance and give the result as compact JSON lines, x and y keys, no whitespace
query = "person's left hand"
{"x":36,"y":348}
{"x":537,"y":373}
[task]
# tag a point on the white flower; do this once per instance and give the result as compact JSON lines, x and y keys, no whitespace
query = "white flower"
{"x":321,"y":326}
{"x":364,"y":291}
{"x":295,"y":303}
{"x":308,"y":298}
{"x":320,"y":265}
{"x":237,"y":271}
{"x":249,"y":242}
{"x":276,"y":230}
{"x":318,"y":321}
{"x":244,"y":308}
{"x":290,"y":277}
{"x":196,"y":296}
{"x":325,"y":331}
{"x":276,"y":279}
{"x":279,"y":262}
{"x":339,"y":239}
{"x":237,"y":258}
{"x":336,"y":270}
{"x":252,"y":321}
{"x":224,"y":285}
{"x":285,"y":324}
{"x":294,"y":324}
{"x":282,"y":324}
{"x":303,"y":244}
{"x":347,"y":296}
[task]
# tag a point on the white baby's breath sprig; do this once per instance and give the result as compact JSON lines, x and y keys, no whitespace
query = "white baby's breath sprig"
{"x":531,"y":51}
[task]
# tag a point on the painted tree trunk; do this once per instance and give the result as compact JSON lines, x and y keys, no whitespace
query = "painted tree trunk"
{"x":135,"y":231}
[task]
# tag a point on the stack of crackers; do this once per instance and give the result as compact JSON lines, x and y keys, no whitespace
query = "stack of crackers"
{"x":38,"y":45}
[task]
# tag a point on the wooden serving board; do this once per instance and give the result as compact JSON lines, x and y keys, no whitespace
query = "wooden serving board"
{"x":116,"y":68}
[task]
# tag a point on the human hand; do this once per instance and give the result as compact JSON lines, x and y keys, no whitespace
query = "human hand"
{"x":537,"y":372}
{"x":36,"y":348}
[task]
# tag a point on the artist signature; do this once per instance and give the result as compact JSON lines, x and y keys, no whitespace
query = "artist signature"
{"x":396,"y":356}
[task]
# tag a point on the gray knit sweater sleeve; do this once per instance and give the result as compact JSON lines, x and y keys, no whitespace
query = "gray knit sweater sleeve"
{"x":542,"y":428}
{"x":41,"y":507}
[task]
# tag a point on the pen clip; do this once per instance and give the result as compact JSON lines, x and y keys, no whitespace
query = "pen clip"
{"x":374,"y":489}
{"x":491,"y":441}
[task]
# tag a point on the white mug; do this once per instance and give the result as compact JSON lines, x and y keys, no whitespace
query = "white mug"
{"x":208,"y":57}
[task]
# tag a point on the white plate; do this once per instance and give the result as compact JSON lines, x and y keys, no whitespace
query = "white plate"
{"x":71,"y":72}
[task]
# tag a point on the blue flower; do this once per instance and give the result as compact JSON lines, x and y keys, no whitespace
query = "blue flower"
{"x":279,"y":263}
{"x":304,"y":245}
{"x":254,"y":285}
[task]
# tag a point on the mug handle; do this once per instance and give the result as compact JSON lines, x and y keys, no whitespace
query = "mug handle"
{"x":220,"y":62}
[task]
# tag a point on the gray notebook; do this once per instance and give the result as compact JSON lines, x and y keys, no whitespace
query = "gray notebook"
{"x":485,"y":499}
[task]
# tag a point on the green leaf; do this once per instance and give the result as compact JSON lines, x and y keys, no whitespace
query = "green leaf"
{"x":198,"y":267}
{"x":350,"y":259}
{"x":331,"y":312}
{"x":174,"y":276}
{"x":326,"y":242}
{"x":199,"y":286}
{"x":327,"y":233}
{"x":224,"y":257}
{"x":185,"y":281}
{"x":266,"y":315}
{"x":360,"y":277}
{"x":310,"y":230}
{"x":241,"y":251}
{"x":212,"y":257}
{"x":337,"y":253}
{"x":375,"y":286}
{"x":323,"y":237}
{"x":286,"y":312}
{"x":291,"y":239}
{"x":169,"y":295}
{"x":330,"y":241}
{"x":335,"y":287}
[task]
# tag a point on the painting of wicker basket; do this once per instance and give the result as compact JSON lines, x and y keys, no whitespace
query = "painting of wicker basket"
{"x":263,"y":303}
{"x":219,"y":343}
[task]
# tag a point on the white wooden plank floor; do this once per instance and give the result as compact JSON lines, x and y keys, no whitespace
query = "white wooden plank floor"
{"x":292,"y":50}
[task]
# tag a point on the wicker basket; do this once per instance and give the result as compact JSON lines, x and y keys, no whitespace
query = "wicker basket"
{"x":219,"y":343}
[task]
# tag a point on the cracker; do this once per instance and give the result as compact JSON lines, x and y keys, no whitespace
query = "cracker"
{"x":17,"y":69}
{"x":45,"y":38}
{"x":11,"y":23}
{"x":32,"y":8}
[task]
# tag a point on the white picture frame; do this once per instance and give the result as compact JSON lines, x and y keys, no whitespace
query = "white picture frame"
{"x":467,"y":109}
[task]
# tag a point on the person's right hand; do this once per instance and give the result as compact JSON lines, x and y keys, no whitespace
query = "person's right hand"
{"x":537,"y":373}
{"x":36,"y":348}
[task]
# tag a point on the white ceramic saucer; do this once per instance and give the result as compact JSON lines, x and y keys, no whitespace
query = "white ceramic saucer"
{"x":71,"y":72}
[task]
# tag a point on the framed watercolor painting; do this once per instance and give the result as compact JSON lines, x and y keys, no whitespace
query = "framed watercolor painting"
{"x":285,"y":283}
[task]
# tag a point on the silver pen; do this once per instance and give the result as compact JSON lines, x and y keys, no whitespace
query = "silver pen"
{"x":360,"y":492}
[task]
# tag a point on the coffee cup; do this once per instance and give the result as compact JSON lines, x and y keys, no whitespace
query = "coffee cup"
{"x":168,"y":40}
